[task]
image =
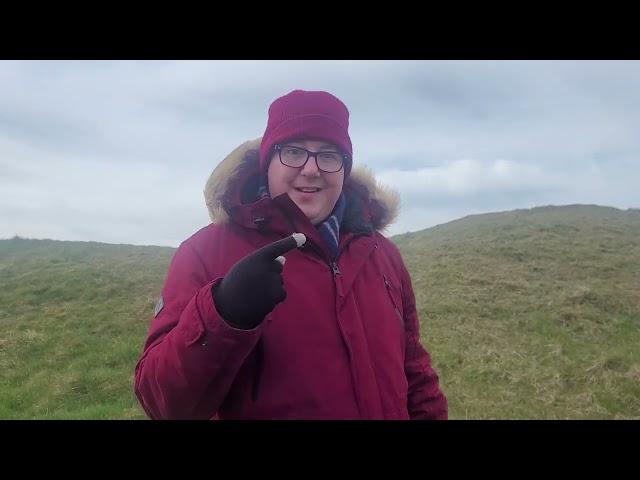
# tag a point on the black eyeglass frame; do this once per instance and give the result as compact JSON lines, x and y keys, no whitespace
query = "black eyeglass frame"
{"x":278,"y":148}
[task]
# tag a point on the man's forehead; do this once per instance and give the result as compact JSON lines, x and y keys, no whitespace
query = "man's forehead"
{"x":320,"y":143}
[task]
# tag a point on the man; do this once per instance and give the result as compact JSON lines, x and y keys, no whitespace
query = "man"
{"x":291,"y":304}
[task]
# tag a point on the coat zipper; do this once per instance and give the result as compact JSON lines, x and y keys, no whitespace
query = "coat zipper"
{"x":337,"y":277}
{"x":335,"y":269}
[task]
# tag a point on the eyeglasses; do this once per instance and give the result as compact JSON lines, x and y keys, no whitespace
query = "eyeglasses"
{"x":297,"y":157}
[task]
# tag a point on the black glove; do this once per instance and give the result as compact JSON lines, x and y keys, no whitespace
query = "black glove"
{"x":253,"y":286}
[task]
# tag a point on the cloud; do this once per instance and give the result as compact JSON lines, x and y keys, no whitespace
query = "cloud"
{"x":71,"y":198}
{"x":120,"y":151}
{"x":469,"y":186}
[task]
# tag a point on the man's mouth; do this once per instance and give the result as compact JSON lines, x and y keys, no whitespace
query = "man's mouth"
{"x":307,"y":189}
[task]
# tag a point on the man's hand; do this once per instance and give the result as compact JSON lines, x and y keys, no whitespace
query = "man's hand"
{"x":254,"y":286}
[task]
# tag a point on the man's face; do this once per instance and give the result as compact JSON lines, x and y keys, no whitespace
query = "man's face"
{"x":314,"y":191}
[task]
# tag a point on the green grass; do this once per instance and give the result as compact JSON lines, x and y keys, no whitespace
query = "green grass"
{"x":530,"y":314}
{"x":72,"y":319}
{"x":533,"y":313}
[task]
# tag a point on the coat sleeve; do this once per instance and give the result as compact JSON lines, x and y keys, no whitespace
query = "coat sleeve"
{"x":191,"y":355}
{"x":426,"y":401}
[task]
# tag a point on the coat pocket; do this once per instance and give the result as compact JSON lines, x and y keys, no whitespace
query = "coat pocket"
{"x":392,"y":296}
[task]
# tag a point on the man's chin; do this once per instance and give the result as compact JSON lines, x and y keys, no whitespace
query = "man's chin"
{"x":313,"y":218}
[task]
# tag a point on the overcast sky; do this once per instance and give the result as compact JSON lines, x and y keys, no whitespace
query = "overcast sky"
{"x":119,"y":152}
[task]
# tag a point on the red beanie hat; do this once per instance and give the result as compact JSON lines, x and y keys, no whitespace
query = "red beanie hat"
{"x":306,"y":115}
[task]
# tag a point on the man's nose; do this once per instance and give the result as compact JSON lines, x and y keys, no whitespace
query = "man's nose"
{"x":311,"y":167}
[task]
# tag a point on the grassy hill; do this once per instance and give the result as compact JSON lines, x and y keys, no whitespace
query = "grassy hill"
{"x":533,"y":313}
{"x":72,"y":319}
{"x":527,"y":314}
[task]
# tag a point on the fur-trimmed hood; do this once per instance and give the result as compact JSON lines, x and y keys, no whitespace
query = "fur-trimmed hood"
{"x":383,"y":202}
